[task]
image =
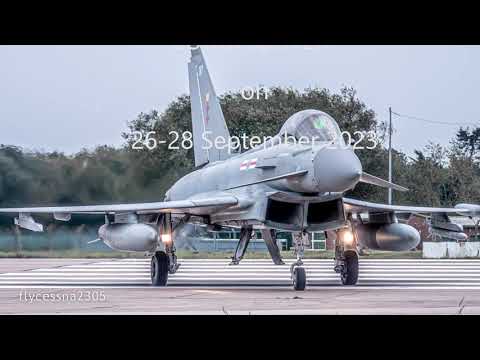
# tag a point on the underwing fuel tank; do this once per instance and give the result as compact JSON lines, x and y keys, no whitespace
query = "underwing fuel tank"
{"x":474,"y":209}
{"x":390,"y":237}
{"x":129,"y":237}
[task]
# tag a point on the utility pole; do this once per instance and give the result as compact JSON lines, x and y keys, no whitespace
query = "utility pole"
{"x":390,"y":156}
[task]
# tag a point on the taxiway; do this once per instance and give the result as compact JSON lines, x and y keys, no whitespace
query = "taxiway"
{"x":115,"y":286}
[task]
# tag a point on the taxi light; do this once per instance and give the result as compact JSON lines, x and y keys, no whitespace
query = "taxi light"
{"x":347,"y":237}
{"x":166,"y":238}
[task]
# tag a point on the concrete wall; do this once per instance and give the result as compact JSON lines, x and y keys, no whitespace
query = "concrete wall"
{"x":437,"y":250}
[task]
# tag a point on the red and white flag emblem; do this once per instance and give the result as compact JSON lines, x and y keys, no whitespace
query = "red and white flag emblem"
{"x":248,"y":164}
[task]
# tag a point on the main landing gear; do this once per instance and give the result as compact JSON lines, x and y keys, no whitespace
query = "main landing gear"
{"x":297,"y":271}
{"x":346,"y":257}
{"x":164,"y":262}
{"x":246,"y":234}
{"x":270,"y":238}
{"x":159,"y":268}
{"x":268,"y":235}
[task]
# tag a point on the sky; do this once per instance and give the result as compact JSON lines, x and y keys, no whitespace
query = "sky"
{"x":66,"y":98}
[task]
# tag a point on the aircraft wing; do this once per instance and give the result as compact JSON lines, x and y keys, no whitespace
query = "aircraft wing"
{"x":63,"y":213}
{"x":140,"y":208}
{"x":353,"y":205}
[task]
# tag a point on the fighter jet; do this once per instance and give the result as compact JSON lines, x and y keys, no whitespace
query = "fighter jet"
{"x":293,"y":182}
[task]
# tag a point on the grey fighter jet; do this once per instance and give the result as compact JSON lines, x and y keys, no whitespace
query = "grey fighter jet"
{"x":295,"y":182}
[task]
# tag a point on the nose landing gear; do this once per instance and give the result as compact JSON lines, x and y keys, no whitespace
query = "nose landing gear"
{"x":297,"y":271}
{"x":299,"y":278}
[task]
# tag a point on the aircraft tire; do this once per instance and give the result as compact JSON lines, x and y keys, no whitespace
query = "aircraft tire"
{"x":159,"y":269}
{"x":350,"y":275}
{"x":299,"y":279}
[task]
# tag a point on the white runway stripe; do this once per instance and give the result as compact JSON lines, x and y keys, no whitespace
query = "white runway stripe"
{"x":423,"y":262}
{"x":374,"y":273}
{"x":97,"y":271}
{"x":255,"y":266}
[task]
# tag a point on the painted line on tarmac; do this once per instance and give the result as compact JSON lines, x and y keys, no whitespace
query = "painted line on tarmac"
{"x":378,"y":273}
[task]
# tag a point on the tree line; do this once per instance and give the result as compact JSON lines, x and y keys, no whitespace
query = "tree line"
{"x":436,"y":175}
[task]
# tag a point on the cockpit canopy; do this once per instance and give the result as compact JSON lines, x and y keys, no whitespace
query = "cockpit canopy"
{"x":313,"y":125}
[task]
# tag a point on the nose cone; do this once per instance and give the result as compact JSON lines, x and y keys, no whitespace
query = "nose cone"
{"x":336,"y":170}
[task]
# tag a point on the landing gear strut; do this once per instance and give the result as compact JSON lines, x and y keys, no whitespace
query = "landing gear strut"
{"x":297,"y":272}
{"x":173,"y":265}
{"x":346,"y":257}
{"x":270,"y":238}
{"x":246,"y":233}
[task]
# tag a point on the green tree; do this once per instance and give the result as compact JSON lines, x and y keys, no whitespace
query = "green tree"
{"x":426,"y":177}
{"x":468,"y":141}
{"x":158,"y":169}
{"x":463,"y":176}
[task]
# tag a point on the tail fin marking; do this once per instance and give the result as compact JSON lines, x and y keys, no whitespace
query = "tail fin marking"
{"x":208,"y":121}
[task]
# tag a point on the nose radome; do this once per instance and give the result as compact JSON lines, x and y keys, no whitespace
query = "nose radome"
{"x":336,"y":170}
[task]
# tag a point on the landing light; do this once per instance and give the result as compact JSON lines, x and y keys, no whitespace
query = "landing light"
{"x":347,"y":237}
{"x":166,"y":238}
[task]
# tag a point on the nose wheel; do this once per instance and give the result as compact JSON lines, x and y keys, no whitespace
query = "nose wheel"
{"x":297,"y":271}
{"x":299,"y":278}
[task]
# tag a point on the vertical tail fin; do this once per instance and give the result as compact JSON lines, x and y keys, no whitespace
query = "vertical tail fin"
{"x":207,"y":116}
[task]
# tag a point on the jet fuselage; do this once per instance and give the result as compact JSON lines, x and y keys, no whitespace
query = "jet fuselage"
{"x":329,"y":171}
